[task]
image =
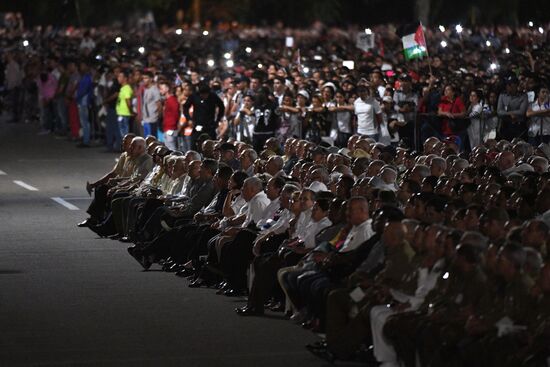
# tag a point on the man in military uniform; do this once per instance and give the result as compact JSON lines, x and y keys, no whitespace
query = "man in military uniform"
{"x":502,"y":324}
{"x":345,"y":334}
{"x":537,"y":352}
{"x":459,"y":290}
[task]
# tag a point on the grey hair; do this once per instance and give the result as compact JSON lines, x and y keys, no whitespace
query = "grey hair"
{"x":195,"y":156}
{"x":290,"y":188}
{"x":439,"y":162}
{"x":423,"y":170}
{"x":324,"y":173}
{"x":140,"y":140}
{"x":254,"y":182}
{"x":475,"y":239}
{"x":526,"y":148}
{"x":252,"y":154}
{"x":278,"y":160}
{"x":540,"y":161}
{"x":461,"y":163}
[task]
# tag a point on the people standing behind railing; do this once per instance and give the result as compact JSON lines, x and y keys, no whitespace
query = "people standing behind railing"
{"x":452,"y":111}
{"x":170,"y":115}
{"x":151,"y":106}
{"x":539,"y":118}
{"x":512,"y":106}
{"x":475,"y":114}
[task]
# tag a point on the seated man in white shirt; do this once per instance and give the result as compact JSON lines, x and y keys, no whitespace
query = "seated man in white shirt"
{"x":236,"y":255}
{"x":308,"y":291}
{"x":270,"y":261}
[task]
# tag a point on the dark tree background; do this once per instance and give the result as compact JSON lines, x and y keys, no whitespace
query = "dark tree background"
{"x":290,"y":12}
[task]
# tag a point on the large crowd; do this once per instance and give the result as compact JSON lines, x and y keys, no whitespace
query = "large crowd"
{"x":399,"y":208}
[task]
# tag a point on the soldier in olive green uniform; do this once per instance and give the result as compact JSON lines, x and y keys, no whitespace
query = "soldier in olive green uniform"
{"x":445,"y":310}
{"x":344,"y":333}
{"x":501,"y":325}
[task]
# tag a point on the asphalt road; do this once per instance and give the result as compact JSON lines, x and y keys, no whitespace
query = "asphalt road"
{"x":68,"y":298}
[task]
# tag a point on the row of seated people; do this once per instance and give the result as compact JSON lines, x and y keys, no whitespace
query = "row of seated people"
{"x":396,"y":257}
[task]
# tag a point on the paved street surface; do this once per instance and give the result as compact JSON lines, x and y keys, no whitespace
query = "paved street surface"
{"x":68,"y":298}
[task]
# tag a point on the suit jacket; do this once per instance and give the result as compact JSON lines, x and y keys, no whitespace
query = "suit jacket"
{"x":200,"y":194}
{"x":142,"y":166}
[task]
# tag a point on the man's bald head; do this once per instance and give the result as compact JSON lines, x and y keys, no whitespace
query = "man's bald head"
{"x":540,"y":164}
{"x":194,"y":169}
{"x":251,"y":187}
{"x":388,"y":174}
{"x":138,"y":146}
{"x":127,"y":141}
{"x":505,"y":160}
{"x":274,"y":165}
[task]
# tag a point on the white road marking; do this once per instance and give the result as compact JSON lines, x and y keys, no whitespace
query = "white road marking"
{"x":2,"y":173}
{"x":25,"y":186}
{"x":66,"y":204}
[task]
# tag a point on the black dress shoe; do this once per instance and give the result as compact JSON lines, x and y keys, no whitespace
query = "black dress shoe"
{"x":277,"y":307}
{"x":317,"y":345}
{"x":141,"y":259}
{"x":197,"y":283}
{"x":175,"y":268}
{"x":145,"y":262}
{"x":86,"y":223}
{"x":184,"y":272}
{"x":167,"y":265}
{"x":248,"y":311}
{"x":223,"y":288}
{"x":230,"y":292}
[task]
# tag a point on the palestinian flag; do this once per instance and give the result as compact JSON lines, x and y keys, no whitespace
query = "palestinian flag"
{"x":414,"y":44}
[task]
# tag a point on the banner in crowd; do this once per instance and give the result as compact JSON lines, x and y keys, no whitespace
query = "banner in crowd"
{"x":365,"y":41}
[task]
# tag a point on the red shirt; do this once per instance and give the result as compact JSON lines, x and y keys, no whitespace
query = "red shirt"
{"x":445,"y":105}
{"x":171,"y":114}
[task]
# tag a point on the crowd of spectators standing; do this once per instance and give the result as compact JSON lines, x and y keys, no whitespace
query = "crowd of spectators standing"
{"x":401,"y":209}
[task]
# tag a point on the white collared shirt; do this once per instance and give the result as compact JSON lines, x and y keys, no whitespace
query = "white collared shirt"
{"x":269,"y":212}
{"x":150,"y":175}
{"x":313,"y":229}
{"x":256,"y":207}
{"x":186,"y":180}
{"x":281,"y":224}
{"x":303,"y":221}
{"x":357,"y":235}
{"x":426,"y":281}
{"x":237,"y":204}
{"x":174,"y":188}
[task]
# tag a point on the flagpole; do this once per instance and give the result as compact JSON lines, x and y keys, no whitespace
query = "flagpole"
{"x":430,"y":71}
{"x":427,"y":52}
